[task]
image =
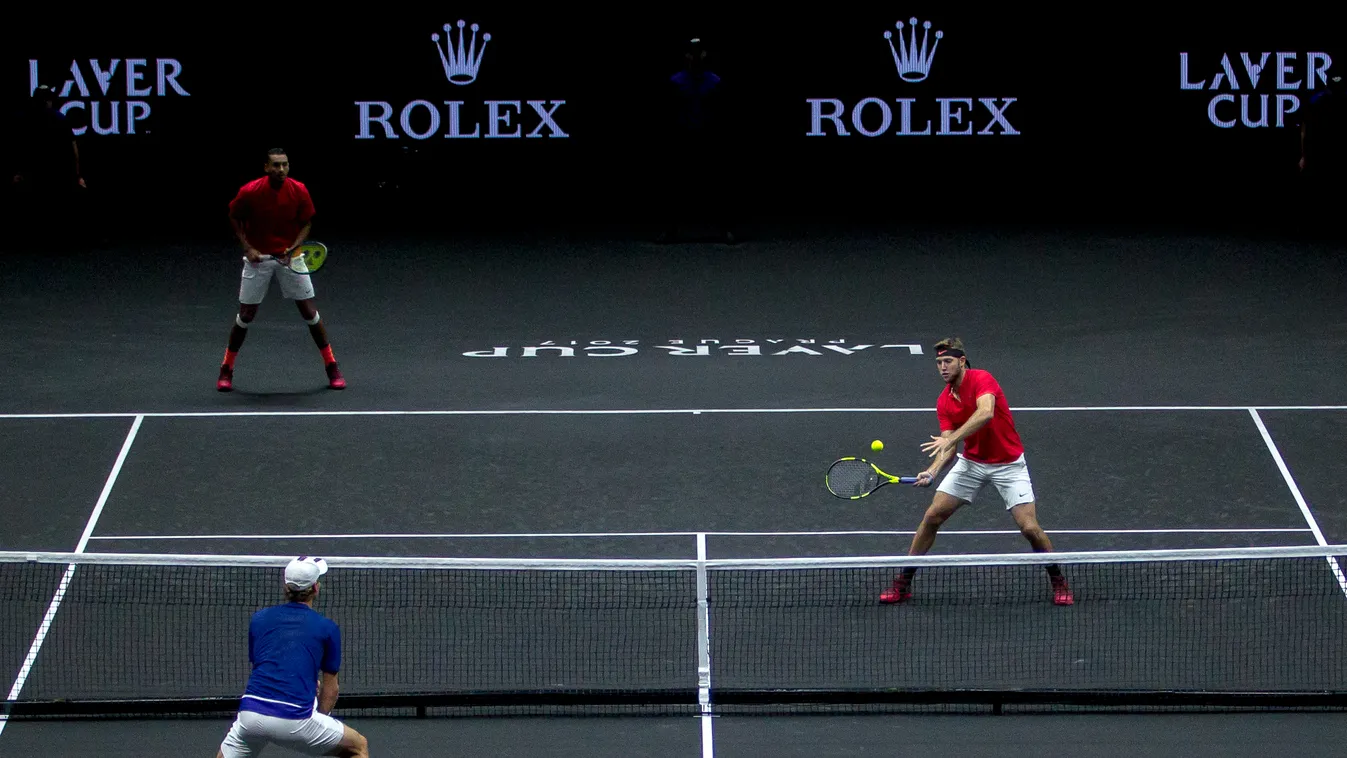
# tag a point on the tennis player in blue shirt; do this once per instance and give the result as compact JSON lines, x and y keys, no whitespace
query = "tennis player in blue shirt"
{"x":289,"y":645}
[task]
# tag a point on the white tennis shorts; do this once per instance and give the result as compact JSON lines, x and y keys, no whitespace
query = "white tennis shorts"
{"x":967,"y":478}
{"x":318,"y":734}
{"x":257,"y":279}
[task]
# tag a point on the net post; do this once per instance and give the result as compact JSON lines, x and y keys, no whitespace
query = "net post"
{"x":703,"y":630}
{"x":704,"y":649}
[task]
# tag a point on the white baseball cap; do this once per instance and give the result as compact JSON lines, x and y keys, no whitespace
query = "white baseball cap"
{"x":303,"y":572}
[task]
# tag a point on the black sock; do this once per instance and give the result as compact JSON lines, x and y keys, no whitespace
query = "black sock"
{"x":1054,"y":570}
{"x":236,"y":337}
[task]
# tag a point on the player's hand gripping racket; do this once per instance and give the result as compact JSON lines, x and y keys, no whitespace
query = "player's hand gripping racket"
{"x":855,"y":478}
{"x":304,"y":259}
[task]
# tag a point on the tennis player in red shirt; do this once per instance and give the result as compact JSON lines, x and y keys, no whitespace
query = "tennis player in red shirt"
{"x":272,"y":216}
{"x":972,"y":409}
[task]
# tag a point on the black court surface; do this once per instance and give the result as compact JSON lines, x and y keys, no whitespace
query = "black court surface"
{"x":606,"y":399}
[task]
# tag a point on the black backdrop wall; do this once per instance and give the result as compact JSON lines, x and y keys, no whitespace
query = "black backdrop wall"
{"x":1119,"y":112}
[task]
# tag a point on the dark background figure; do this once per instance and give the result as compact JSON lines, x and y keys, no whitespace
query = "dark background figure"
{"x":1323,"y":156}
{"x":46,"y":175}
{"x":698,"y":139}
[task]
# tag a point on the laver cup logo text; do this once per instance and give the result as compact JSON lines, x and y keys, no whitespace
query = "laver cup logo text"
{"x":1254,"y":90}
{"x":113,"y":96}
{"x":704,"y":348}
{"x":460,"y":52}
{"x":913,"y":46}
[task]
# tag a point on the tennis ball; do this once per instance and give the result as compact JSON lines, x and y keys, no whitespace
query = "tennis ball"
{"x":876,"y":445}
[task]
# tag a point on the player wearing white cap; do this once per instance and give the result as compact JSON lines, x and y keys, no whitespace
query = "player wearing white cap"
{"x":289,"y":645}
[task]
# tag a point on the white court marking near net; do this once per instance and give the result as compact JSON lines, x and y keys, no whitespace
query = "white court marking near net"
{"x":655,"y":411}
{"x":600,"y":535}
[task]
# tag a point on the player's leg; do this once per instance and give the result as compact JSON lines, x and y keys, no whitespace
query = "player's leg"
{"x":299,"y":287}
{"x":959,"y":487}
{"x":1026,"y":518}
{"x":253,"y":284}
{"x":1012,"y":480}
{"x":309,"y":312}
{"x":322,"y":734}
{"x":942,"y":506}
{"x":353,"y":744}
{"x":244,"y":738}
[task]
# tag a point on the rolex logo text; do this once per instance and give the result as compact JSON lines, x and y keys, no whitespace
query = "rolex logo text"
{"x":461,"y":52}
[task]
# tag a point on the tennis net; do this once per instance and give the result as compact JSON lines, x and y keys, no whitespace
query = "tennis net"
{"x":144,"y":635}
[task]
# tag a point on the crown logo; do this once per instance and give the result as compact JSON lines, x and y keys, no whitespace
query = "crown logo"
{"x":914,"y":64}
{"x":460,"y":68}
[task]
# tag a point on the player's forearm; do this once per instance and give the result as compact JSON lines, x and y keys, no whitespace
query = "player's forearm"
{"x":240,"y":232}
{"x":303,"y":235}
{"x":940,"y":462}
{"x":978,"y":419}
{"x":327,"y":695}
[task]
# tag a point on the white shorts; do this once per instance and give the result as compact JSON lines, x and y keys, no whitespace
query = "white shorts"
{"x":1010,"y":479}
{"x":318,"y":734}
{"x":257,"y":278}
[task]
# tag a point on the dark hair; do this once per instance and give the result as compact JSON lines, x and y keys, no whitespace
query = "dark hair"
{"x":299,"y":596}
{"x":275,"y":151}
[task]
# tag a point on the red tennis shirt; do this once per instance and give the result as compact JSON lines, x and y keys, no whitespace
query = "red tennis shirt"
{"x":272,"y":217}
{"x":997,"y":441}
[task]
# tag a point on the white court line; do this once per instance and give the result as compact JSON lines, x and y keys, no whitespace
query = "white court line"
{"x":56,"y":599}
{"x":569,"y":535}
{"x":648,"y":412}
{"x":1300,"y":499}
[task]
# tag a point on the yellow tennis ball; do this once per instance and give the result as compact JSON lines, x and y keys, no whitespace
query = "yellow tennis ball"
{"x":876,"y":445}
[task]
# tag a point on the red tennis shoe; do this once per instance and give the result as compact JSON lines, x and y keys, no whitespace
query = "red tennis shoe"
{"x":226,"y":380}
{"x":334,"y":378}
{"x":1061,"y":592}
{"x":901,"y":591}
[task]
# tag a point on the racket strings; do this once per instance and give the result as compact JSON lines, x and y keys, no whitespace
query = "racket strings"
{"x":852,"y":478}
{"x":313,"y":256}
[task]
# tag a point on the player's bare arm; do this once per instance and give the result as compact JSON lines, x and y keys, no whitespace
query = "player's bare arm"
{"x":1302,"y":146}
{"x":242,"y":234}
{"x":79,"y":176}
{"x":942,"y":460}
{"x":945,"y":444}
{"x":327,"y":693}
{"x":303,"y":235}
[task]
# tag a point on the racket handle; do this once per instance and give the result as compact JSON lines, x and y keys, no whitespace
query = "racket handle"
{"x":907,"y":480}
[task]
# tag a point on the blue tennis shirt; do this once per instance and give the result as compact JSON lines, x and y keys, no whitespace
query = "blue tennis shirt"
{"x":288,"y":645}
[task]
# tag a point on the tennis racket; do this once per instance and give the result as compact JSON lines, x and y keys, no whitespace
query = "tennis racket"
{"x":854,"y":478}
{"x":305,"y":259}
